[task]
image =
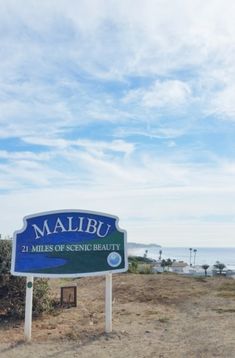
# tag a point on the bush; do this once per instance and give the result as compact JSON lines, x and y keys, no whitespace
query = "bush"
{"x":13,"y":288}
{"x":139,"y":264}
{"x":5,"y":258}
{"x":133,"y":266}
{"x":140,"y":259}
{"x":145,"y":269}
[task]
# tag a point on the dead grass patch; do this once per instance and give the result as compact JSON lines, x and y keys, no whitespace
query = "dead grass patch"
{"x":227,"y":289}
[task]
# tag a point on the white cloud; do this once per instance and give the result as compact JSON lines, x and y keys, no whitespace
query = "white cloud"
{"x":152,"y":131}
{"x":52,"y":45}
{"x":22,"y":173}
{"x":24,"y":156}
{"x":69,"y":67}
{"x":171,"y":93}
{"x":101,"y":146}
{"x":223,"y":103}
{"x":158,"y":215}
{"x":93,"y":146}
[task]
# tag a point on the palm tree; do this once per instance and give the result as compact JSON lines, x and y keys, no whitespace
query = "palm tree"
{"x":219,"y":266}
{"x":190,"y":256}
{"x":145,"y":254}
{"x":169,"y":263}
{"x":195,"y":251}
{"x":163,"y":264}
{"x":166,"y":263}
{"x":205,"y":267}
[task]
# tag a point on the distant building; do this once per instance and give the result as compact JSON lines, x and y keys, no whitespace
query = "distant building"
{"x":178,"y":266}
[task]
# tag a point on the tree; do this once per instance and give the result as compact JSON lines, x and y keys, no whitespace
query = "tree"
{"x":205,"y":267}
{"x":169,"y":263}
{"x":219,"y":266}
{"x":190,"y":256}
{"x":160,"y":254}
{"x":5,"y":258}
{"x":166,"y":263}
{"x":146,"y":254}
{"x":194,"y":260}
{"x":163,"y":264}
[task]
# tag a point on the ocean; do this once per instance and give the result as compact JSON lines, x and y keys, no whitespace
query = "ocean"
{"x":204,"y":255}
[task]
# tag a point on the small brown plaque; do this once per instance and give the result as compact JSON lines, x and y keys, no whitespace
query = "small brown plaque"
{"x":68,"y":297}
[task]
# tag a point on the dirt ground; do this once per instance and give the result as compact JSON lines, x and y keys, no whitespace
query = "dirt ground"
{"x":165,"y":315}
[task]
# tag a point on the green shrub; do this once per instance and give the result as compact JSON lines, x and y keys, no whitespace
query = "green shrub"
{"x":133,"y":266}
{"x":145,"y":269}
{"x":13,"y":288}
{"x":5,"y":258}
{"x":140,"y":259}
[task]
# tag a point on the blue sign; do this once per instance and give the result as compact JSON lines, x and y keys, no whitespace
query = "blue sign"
{"x":69,"y":243}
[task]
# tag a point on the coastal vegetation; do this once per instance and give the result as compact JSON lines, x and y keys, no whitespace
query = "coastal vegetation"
{"x":166,"y":263}
{"x":140,"y":264}
{"x":219,"y":266}
{"x":205,"y":268}
{"x":145,"y":264}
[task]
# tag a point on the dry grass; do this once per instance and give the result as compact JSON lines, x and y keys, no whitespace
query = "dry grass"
{"x":227,"y":289}
{"x":153,"y":315}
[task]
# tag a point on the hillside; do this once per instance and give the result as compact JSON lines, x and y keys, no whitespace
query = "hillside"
{"x":153,"y":316}
{"x":135,"y":245}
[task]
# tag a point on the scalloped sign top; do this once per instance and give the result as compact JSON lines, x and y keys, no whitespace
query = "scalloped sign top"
{"x":69,"y":243}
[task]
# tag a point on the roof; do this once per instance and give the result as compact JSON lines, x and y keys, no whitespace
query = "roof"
{"x":179,"y":264}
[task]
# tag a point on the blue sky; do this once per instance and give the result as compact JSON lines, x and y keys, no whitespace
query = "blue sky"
{"x":124,"y":107}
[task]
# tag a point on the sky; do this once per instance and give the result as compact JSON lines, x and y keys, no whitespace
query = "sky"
{"x":125,"y":107}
